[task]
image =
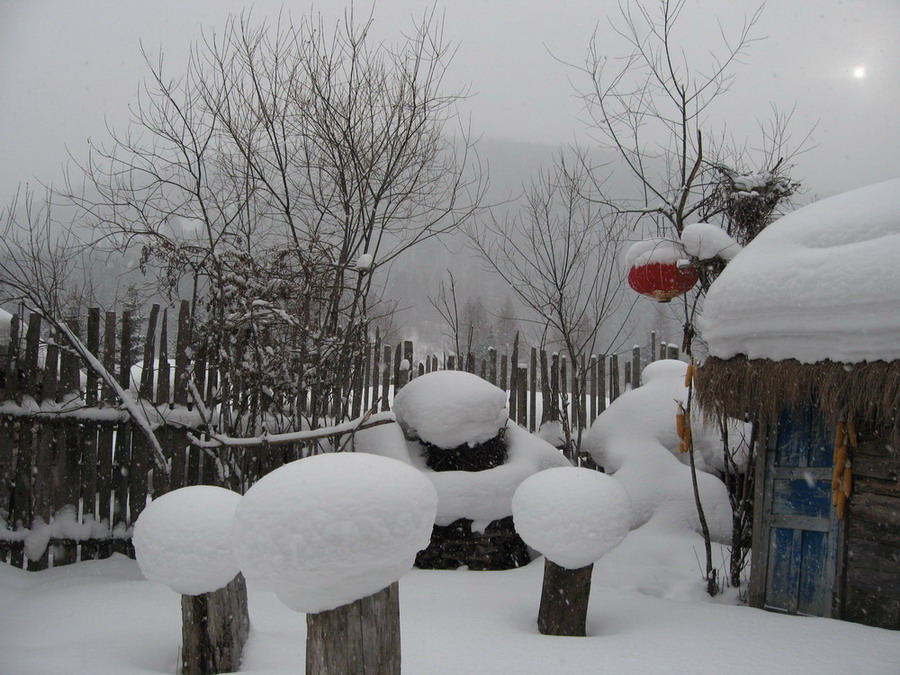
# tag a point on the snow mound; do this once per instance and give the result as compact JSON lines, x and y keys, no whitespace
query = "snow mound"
{"x":820,"y":283}
{"x":706,"y":241}
{"x":449,"y":408}
{"x":480,"y":496}
{"x":183,"y":539}
{"x":327,"y":530}
{"x":636,"y":441}
{"x":572,"y":516}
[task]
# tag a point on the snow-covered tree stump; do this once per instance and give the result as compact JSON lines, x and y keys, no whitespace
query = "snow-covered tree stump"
{"x":564,"y":600}
{"x":214,"y":629}
{"x":573,"y":517}
{"x":331,"y":534}
{"x":183,"y":539}
{"x":360,"y":637}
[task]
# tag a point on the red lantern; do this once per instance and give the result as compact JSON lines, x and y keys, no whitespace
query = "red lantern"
{"x":662,"y":280}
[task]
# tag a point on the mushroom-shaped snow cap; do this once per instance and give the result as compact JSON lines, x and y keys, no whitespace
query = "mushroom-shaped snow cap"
{"x":449,"y":408}
{"x":572,"y":516}
{"x":327,"y":530}
{"x":183,"y":539}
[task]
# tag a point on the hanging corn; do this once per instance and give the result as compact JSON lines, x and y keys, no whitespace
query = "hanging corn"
{"x":683,"y":427}
{"x":842,"y":474}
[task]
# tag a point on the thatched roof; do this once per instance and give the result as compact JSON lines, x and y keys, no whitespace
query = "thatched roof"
{"x":762,"y":389}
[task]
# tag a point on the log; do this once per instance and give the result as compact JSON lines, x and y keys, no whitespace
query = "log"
{"x":362,"y":637}
{"x":564,"y":600}
{"x":214,"y":628}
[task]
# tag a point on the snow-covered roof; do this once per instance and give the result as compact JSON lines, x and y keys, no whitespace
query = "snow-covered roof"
{"x":822,"y":283}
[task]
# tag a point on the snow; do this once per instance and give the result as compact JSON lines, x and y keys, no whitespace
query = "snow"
{"x":706,"y":241}
{"x":364,"y":262}
{"x":102,"y":617}
{"x":448,"y":408}
{"x":654,"y":250}
{"x":327,"y":530}
{"x":635,"y":440}
{"x":818,"y":284}
{"x":572,"y":516}
{"x":480,"y":496}
{"x":183,"y":539}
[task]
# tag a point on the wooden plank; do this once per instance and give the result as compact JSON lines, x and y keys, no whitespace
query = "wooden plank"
{"x":546,"y":406}
{"x":93,"y":346}
{"x":163,"y":380}
{"x":376,"y":370}
{"x":180,"y":394}
{"x":21,"y":503}
{"x":601,"y":383}
{"x":636,"y":367}
{"x":386,"y":379}
{"x":594,"y":390}
{"x":532,"y":396}
{"x":522,"y":396}
{"x":125,"y":355}
{"x":12,"y":361}
{"x":492,"y":365}
{"x":146,"y":386}
{"x":30,"y":371}
{"x":653,"y":338}
{"x":45,"y":475}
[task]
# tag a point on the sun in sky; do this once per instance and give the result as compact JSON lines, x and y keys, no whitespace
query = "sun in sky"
{"x":859,"y":72}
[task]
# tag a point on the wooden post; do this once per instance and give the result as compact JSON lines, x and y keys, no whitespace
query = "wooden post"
{"x":214,"y":628}
{"x":492,"y":365}
{"x":532,"y":394}
{"x":564,"y":600}
{"x":386,"y":379}
{"x":522,"y":397}
{"x":601,"y":383}
{"x":594,"y":388}
{"x":613,"y":377}
{"x":362,"y":637}
{"x":673,"y":352}
{"x":652,"y":345}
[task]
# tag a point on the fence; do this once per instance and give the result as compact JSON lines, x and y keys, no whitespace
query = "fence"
{"x":76,"y":469}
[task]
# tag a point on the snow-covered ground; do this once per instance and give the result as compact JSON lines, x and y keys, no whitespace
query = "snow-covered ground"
{"x":103,"y":618}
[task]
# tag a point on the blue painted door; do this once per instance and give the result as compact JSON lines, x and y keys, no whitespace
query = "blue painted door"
{"x":801,"y":522}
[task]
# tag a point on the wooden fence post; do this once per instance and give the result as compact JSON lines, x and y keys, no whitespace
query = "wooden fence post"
{"x":636,"y":367}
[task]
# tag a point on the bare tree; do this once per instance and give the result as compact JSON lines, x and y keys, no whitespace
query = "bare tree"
{"x":287,"y":165}
{"x":652,"y":110}
{"x":559,"y":256}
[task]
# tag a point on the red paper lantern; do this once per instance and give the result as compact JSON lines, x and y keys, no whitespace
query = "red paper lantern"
{"x":662,"y":281}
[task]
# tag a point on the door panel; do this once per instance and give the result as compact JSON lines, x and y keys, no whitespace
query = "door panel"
{"x":802,"y":527}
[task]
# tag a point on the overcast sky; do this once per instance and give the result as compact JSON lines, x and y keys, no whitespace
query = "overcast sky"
{"x":67,"y":68}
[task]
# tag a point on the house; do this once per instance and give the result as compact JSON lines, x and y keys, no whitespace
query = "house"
{"x":803,"y":332}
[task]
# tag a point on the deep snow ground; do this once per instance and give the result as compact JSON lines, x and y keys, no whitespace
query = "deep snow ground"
{"x":103,"y":618}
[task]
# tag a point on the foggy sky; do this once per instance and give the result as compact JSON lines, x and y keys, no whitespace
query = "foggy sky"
{"x":69,"y":68}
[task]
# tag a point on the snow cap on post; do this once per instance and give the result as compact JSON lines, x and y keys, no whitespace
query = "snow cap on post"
{"x":572,"y":516}
{"x":183,"y":539}
{"x":449,"y":408}
{"x":330,"y":529}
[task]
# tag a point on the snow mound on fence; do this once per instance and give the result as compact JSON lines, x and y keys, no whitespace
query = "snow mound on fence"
{"x":183,"y":539}
{"x":327,"y":530}
{"x":572,"y":516}
{"x":449,"y":408}
{"x":820,"y":283}
{"x":480,"y":496}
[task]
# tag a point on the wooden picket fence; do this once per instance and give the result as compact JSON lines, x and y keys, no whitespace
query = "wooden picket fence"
{"x":76,"y":470}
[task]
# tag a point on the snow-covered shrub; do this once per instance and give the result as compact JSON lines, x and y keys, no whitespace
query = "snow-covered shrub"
{"x":330,"y":529}
{"x":450,"y":408}
{"x":572,"y":516}
{"x":183,"y":539}
{"x":636,"y":441}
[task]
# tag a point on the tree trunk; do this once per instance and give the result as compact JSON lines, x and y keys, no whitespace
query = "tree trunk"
{"x":214,"y":629}
{"x":564,"y":600}
{"x":362,"y":637}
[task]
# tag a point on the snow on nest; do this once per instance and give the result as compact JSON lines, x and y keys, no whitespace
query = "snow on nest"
{"x":449,"y":408}
{"x":183,"y":539}
{"x":820,"y":283}
{"x":635,"y":440}
{"x":480,"y":496}
{"x":572,"y":516}
{"x":327,"y":530}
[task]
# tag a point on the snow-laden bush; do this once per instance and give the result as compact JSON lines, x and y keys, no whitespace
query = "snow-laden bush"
{"x":449,"y":408}
{"x":183,"y":539}
{"x":330,"y":529}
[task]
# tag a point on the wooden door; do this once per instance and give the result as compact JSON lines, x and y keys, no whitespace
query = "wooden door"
{"x":801,"y":527}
